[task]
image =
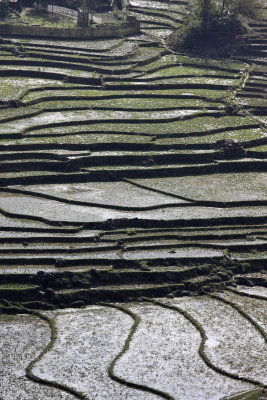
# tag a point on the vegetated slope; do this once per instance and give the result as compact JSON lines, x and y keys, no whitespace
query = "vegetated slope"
{"x":128,"y":171}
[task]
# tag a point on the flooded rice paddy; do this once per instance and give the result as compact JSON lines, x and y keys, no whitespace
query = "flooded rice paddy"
{"x":132,"y":218}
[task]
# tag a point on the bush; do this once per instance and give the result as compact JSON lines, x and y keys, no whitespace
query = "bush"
{"x":246,"y":8}
{"x":4,"y":9}
{"x":209,"y":25}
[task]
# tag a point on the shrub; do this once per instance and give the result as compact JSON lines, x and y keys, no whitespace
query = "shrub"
{"x":4,"y":8}
{"x":209,"y":24}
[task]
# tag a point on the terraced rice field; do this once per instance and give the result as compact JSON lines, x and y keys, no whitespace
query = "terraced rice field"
{"x":133,"y":218}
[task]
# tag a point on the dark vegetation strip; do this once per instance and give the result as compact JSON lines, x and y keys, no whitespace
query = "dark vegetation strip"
{"x":84,"y":203}
{"x":60,"y":108}
{"x":118,"y":263}
{"x":35,"y":49}
{"x":90,"y":54}
{"x":95,"y":174}
{"x":61,"y":46}
{"x":169,"y":194}
{"x":153,"y":24}
{"x":150,"y":235}
{"x":35,"y":218}
{"x":136,"y":222}
{"x":254,"y":142}
{"x":123,"y":95}
{"x":195,"y":229}
{"x":19,"y":103}
{"x":120,"y":146}
{"x":111,"y":373}
{"x":195,"y":222}
{"x":204,"y":338}
{"x":245,"y":247}
{"x":44,"y":155}
{"x":209,"y":132}
{"x":49,"y":75}
{"x":30,"y":375}
{"x":125,"y":237}
{"x":192,"y":203}
{"x":56,"y":87}
{"x":123,"y":121}
{"x":40,"y":230}
{"x":245,"y":315}
{"x":130,"y":62}
{"x":57,"y":250}
{"x":161,"y":12}
{"x":192,"y":65}
{"x":250,"y":295}
{"x":256,"y":61}
{"x":63,"y":65}
{"x":246,"y":395}
{"x":121,"y":60}
{"x":157,"y":136}
{"x":178,"y":76}
{"x":165,"y":86}
{"x":21,"y":150}
{"x":171,"y":18}
{"x":178,"y":2}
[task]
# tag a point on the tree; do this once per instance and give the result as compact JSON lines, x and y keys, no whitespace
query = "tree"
{"x":213,"y":23}
{"x":246,"y":8}
{"x":227,"y":8}
{"x":4,"y":8}
{"x":205,"y":12}
{"x":91,"y":6}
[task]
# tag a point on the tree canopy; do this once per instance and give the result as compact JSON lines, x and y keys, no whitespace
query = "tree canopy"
{"x":214,"y":23}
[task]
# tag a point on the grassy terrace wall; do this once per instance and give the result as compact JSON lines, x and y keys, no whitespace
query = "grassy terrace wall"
{"x":100,"y":31}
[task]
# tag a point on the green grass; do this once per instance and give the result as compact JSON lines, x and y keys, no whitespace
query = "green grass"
{"x":194,"y":62}
{"x":259,"y":148}
{"x":251,"y":395}
{"x":183,"y":70}
{"x":35,"y":17}
{"x":134,"y":103}
{"x":13,"y":87}
{"x":197,"y":124}
{"x":16,"y":286}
